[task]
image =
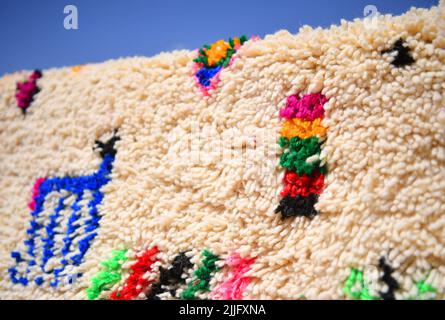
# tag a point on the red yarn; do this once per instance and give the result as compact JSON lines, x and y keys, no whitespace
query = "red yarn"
{"x":304,"y":185}
{"x":136,"y":283}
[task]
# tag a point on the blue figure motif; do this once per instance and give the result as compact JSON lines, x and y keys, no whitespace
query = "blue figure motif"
{"x":64,"y":219}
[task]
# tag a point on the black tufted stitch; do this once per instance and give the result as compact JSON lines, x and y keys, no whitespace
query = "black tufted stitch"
{"x":170,"y":276}
{"x":297,"y":206}
{"x":389,"y":280}
{"x":403,"y":57}
{"x":108,"y":146}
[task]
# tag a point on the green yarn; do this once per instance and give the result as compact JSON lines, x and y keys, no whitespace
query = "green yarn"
{"x":201,"y":281}
{"x":283,"y":142}
{"x":423,"y":289}
{"x":361,"y":293}
{"x":202,"y":58}
{"x":225,"y":62}
{"x":298,"y":151}
{"x":106,"y":278}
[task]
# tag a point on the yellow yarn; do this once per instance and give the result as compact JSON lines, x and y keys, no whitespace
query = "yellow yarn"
{"x":302,"y":128}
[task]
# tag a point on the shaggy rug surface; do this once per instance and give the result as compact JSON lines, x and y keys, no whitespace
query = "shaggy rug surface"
{"x":307,"y":166}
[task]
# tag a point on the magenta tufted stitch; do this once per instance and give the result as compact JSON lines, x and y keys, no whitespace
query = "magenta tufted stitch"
{"x":309,"y":107}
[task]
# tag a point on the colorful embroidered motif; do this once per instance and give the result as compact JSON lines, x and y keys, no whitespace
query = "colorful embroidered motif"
{"x":64,"y":219}
{"x":137,"y":283}
{"x":171,"y":279}
{"x":212,"y":59}
{"x":301,"y":138}
{"x":201,"y":281}
{"x":177,"y":280}
{"x":234,"y":287}
{"x":27,"y":90}
{"x":356,"y":287}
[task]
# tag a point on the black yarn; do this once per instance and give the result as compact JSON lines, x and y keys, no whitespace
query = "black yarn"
{"x":389,"y":280}
{"x":155,"y":290}
{"x":170,"y":277}
{"x":39,"y":72}
{"x":298,"y":206}
{"x":107,"y":148}
{"x":403,"y":57}
{"x":180,"y":263}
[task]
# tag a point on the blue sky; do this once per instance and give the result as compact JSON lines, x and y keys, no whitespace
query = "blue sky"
{"x":32,"y":33}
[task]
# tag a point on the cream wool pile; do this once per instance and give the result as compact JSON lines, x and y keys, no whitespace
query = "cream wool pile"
{"x":187,"y":174}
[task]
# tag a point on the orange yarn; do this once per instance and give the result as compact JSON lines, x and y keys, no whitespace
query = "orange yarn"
{"x":217,"y":51}
{"x":76,"y":68}
{"x":302,"y":128}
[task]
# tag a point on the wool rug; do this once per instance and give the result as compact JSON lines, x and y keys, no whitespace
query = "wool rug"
{"x":307,"y":166}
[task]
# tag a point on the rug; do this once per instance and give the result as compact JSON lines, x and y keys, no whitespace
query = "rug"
{"x":306,"y":166}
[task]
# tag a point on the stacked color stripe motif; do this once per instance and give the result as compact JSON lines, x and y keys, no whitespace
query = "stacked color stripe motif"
{"x":302,"y":135}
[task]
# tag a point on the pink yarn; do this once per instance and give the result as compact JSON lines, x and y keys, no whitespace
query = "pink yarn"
{"x":234,"y":286}
{"x":26,"y":90}
{"x":27,"y":87}
{"x":35,"y":193}
{"x":35,"y":75}
{"x":309,"y":107}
